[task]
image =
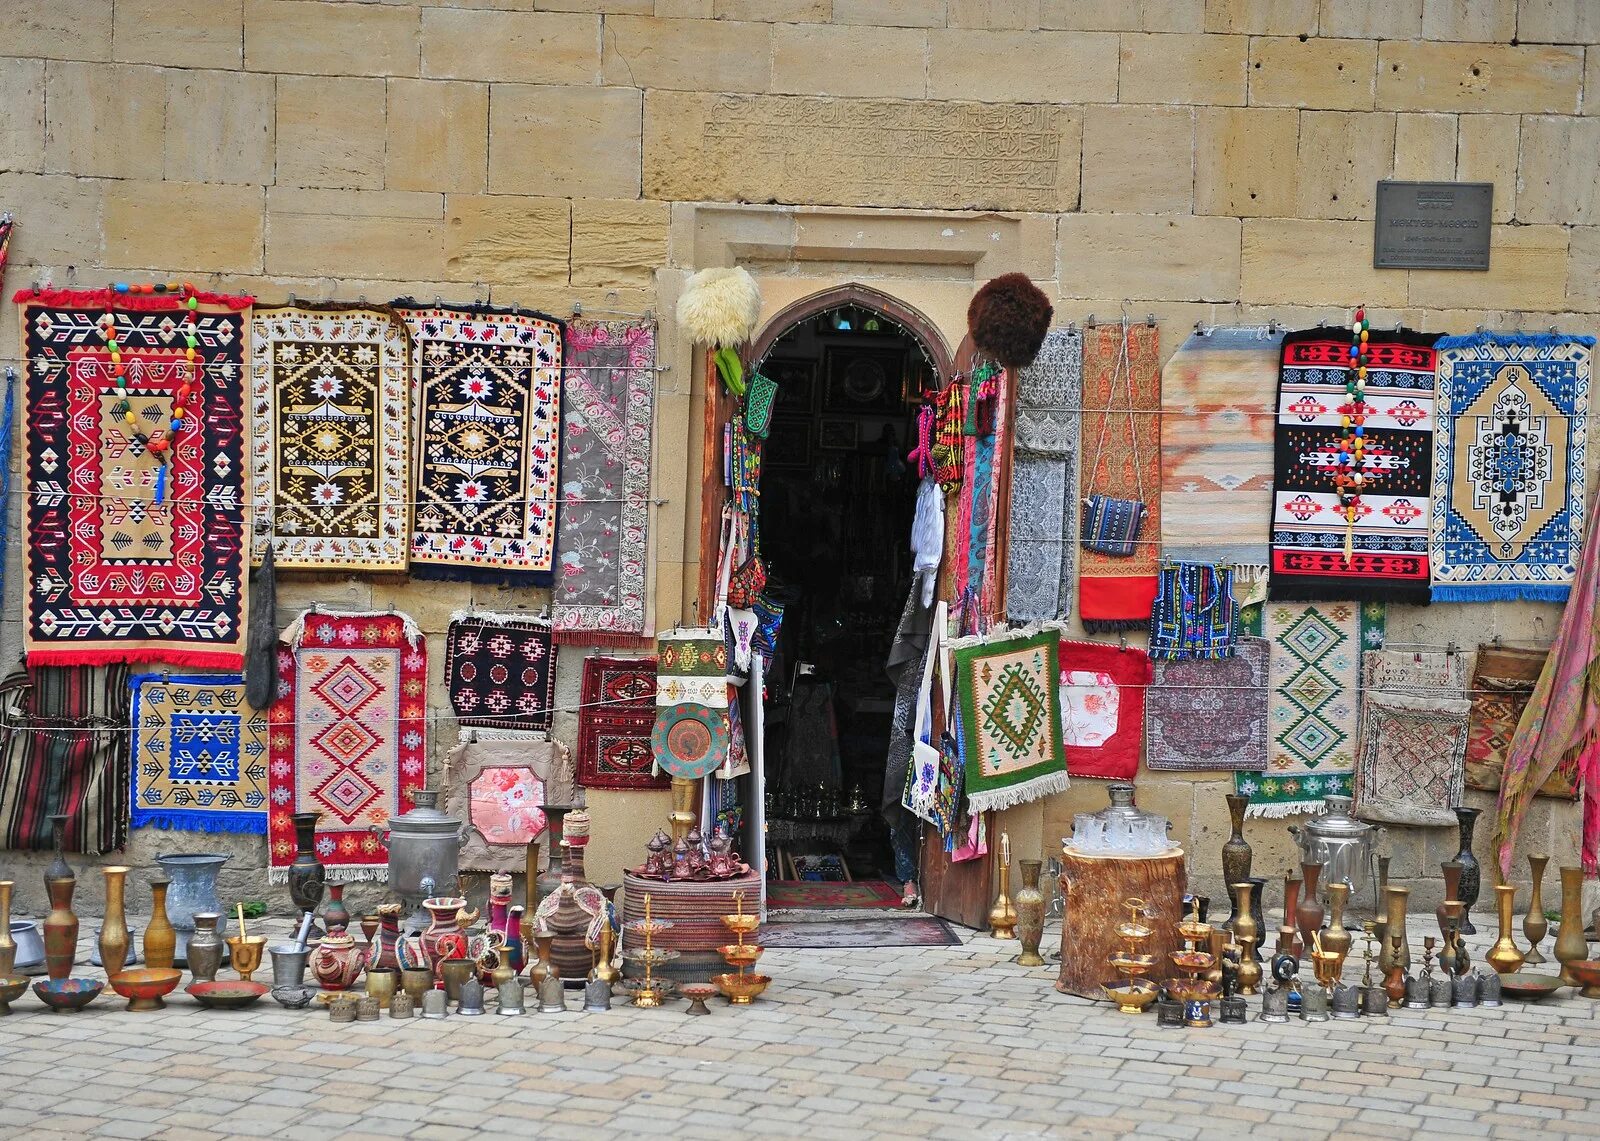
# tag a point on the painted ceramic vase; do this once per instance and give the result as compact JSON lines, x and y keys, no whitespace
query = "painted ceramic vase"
{"x":1471,"y":873}
{"x":443,"y":938}
{"x":336,"y":916}
{"x":336,"y":961}
{"x":205,"y":947}
{"x":160,"y":938}
{"x":383,"y":949}
{"x":60,"y":928}
{"x":114,"y":936}
{"x":307,"y":878}
{"x":1029,"y":905}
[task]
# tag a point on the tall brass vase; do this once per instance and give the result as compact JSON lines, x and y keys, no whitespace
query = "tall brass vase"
{"x":1570,"y":943}
{"x":114,"y":927}
{"x":1309,"y":915}
{"x":160,"y":939}
{"x":1245,"y":931}
{"x":1401,"y":950}
{"x":60,"y":928}
{"x":1029,"y":903}
{"x":8,"y":945}
{"x":1337,"y":937}
{"x":1534,"y":925}
{"x":1504,"y":956}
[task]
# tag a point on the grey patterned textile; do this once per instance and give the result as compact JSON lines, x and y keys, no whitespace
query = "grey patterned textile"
{"x":1044,"y":503}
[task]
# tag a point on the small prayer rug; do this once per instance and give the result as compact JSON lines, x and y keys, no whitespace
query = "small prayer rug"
{"x":501,"y":670}
{"x":614,"y":723}
{"x":499,"y":789}
{"x":130,"y":559}
{"x":1314,"y":672}
{"x":1503,"y":679}
{"x":1388,"y":542}
{"x":1121,"y":440}
{"x":1209,"y":714}
{"x":1513,"y":421}
{"x":1044,"y":472}
{"x":1102,"y":708}
{"x":348,"y":737}
{"x":1006,"y":687}
{"x":808,"y":893}
{"x":64,"y":747}
{"x":331,"y":469}
{"x":1412,"y":749}
{"x":199,"y":754}
{"x":905,"y":931}
{"x":1414,"y":673}
{"x":1216,"y":449}
{"x":1195,"y":614}
{"x":608,"y":409}
{"x":487,"y":383}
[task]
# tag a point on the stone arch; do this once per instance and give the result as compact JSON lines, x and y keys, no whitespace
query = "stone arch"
{"x":908,"y":317}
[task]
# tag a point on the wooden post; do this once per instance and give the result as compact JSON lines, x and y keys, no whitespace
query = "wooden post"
{"x":1093,"y":889}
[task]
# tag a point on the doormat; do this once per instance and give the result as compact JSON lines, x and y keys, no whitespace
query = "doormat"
{"x":909,"y":931}
{"x":805,"y":893}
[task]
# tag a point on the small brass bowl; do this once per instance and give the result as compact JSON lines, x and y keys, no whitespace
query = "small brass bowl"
{"x":741,"y":954}
{"x":1587,"y":972}
{"x":1132,"y":997}
{"x":697,"y":993}
{"x":145,"y":989}
{"x":228,"y":994}
{"x":247,"y":951}
{"x":11,"y":988}
{"x":742,"y":924}
{"x":741,"y":990}
{"x":1131,"y":963}
{"x":1193,"y":960}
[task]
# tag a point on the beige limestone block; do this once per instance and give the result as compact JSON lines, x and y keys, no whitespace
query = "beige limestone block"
{"x":1527,"y":271}
{"x":688,"y":55}
{"x":1559,"y":179}
{"x":1488,"y":78}
{"x":22,"y":125}
{"x":1371,"y":19}
{"x":1591,"y":81}
{"x":60,"y":226}
{"x":331,"y":131}
{"x":1138,"y":160}
{"x":104,"y":120}
{"x":606,"y":7}
{"x":617,"y":243}
{"x":1336,"y":75}
{"x":1583,"y":268}
{"x":180,"y":225}
{"x":1262,"y":17}
{"x":876,"y":152}
{"x":1315,"y":263}
{"x":1023,"y":67}
{"x":57,"y":29}
{"x":1208,"y":70}
{"x":681,"y":10}
{"x":774,"y":11}
{"x":379,"y":234}
{"x":513,"y":47}
{"x":1175,"y":257}
{"x":845,"y":60}
{"x":438,"y":135}
{"x":1488,"y":21}
{"x":1021,"y":14}
{"x":1124,"y":15}
{"x":1245,"y":161}
{"x":1486,"y":151}
{"x":1342,"y":157}
{"x":1558,"y":21}
{"x":221,"y":126}
{"x":309,"y":37}
{"x":503,"y":238}
{"x":179,"y":33}
{"x":891,"y":13}
{"x":1425,"y":147}
{"x":579,"y":142}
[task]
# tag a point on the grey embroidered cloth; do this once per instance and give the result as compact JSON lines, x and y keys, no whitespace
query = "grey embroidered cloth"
{"x":1044,"y":503}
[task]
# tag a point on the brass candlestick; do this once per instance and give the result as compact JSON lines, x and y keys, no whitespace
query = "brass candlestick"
{"x":1003,"y":915}
{"x":738,"y":986}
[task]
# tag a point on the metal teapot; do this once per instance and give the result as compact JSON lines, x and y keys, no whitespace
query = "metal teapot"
{"x":424,"y":854}
{"x":1344,"y":846}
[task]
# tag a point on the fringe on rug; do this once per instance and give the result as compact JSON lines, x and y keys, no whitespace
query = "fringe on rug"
{"x":611,"y":639}
{"x":502,"y":617}
{"x":1278,"y":810}
{"x":200,"y":822}
{"x":1503,"y":592}
{"x":1015,"y":794}
{"x":378,"y":873}
{"x":1249,"y":584}
{"x":293,"y":632}
{"x":1114,"y":625}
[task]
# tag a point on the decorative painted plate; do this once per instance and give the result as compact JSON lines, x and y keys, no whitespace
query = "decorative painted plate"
{"x":690,"y":740}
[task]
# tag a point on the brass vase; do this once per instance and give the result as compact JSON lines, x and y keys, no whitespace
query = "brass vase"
{"x":1471,"y":872}
{"x":1504,"y":956}
{"x":1030,"y":913}
{"x":1308,"y":916}
{"x":1570,"y":943}
{"x":1451,"y":871}
{"x":1003,"y":915}
{"x":114,"y":927}
{"x":160,"y":938}
{"x":1291,"y":904}
{"x":1245,"y":932}
{"x":1336,"y":938}
{"x":1236,"y":854}
{"x":8,"y":945}
{"x":60,"y":928}
{"x":1398,"y":939}
{"x":1534,"y":925}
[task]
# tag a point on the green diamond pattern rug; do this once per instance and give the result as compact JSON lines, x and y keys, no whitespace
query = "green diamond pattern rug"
{"x":1008,"y":689}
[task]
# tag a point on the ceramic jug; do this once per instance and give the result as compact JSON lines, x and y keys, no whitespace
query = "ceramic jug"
{"x":336,"y":961}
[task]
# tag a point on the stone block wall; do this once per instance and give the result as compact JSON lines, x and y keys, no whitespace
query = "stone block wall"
{"x":1196,"y":159}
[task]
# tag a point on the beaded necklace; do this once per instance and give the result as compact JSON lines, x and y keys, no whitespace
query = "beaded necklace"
{"x":159,"y":446}
{"x":1350,"y":476}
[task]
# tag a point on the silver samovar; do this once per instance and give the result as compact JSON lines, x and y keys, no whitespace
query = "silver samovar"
{"x":1344,"y":846}
{"x":424,"y":855}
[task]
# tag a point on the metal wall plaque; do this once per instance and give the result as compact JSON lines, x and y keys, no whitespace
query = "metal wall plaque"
{"x":1432,"y":225}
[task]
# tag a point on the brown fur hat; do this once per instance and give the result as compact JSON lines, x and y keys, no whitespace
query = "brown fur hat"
{"x":1008,"y":319}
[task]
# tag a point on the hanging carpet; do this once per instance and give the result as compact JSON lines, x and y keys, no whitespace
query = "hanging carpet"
{"x":64,"y":736}
{"x":487,"y":384}
{"x":1503,"y":679}
{"x":1387,"y":558}
{"x":1414,"y":673}
{"x":607,"y":413}
{"x":348,"y":737}
{"x":1209,"y":714}
{"x":1103,"y":691}
{"x":1217,"y":395}
{"x":614,"y":724}
{"x":1044,"y":473}
{"x":1412,"y":750}
{"x":331,"y":465}
{"x":130,"y":559}
{"x":498,"y":788}
{"x":1314,"y":672}
{"x":1006,"y":687}
{"x":1121,"y":441}
{"x":1510,"y":454}
{"x":199,"y":754}
{"x":500,"y":670}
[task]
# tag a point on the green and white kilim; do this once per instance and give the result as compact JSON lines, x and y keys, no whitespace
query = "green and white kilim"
{"x":1314,"y":712}
{"x":1008,"y":689}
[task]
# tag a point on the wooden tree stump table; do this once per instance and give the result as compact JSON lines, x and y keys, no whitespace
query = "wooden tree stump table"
{"x":1094,"y":889}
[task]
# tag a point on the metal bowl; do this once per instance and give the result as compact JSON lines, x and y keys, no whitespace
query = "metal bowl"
{"x":294,"y":996}
{"x":1587,"y":972}
{"x":232,"y":994}
{"x":147,"y":987}
{"x":1528,"y":986}
{"x":68,"y":995}
{"x":741,"y":990}
{"x":11,"y":988}
{"x":1133,"y":996}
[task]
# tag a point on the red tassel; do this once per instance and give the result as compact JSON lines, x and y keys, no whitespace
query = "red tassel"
{"x":216,"y":660}
{"x":604,"y":638}
{"x":110,"y":298}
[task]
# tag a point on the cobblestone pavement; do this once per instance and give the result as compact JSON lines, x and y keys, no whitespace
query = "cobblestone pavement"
{"x":927,"y":1042}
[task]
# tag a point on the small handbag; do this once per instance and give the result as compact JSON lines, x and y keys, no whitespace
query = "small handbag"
{"x":749,"y":578}
{"x":1111,"y":525}
{"x":759,"y":398}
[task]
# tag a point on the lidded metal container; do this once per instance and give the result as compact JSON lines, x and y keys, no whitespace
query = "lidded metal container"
{"x":424,"y":853}
{"x":1344,"y":846}
{"x":1120,"y":828}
